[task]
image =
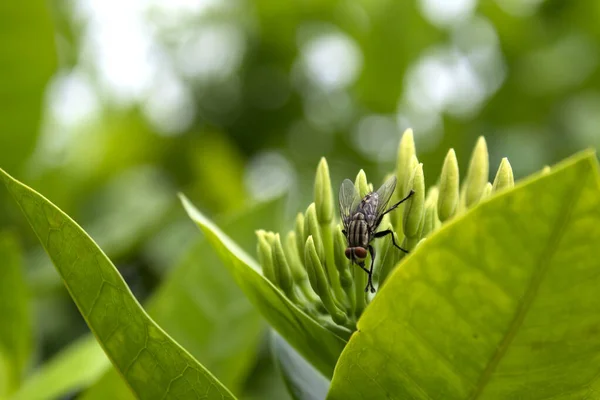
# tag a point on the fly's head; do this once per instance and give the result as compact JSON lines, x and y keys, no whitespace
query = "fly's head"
{"x":356,"y":254}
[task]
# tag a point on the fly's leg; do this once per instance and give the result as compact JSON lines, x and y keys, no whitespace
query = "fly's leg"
{"x":388,"y":232}
{"x":370,"y":282}
{"x":392,"y":208}
{"x":369,"y":272}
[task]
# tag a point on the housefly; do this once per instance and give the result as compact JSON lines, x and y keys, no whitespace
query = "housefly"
{"x":361,"y":218}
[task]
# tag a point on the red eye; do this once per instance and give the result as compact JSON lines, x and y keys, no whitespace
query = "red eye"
{"x":360,"y":253}
{"x":348,"y":253}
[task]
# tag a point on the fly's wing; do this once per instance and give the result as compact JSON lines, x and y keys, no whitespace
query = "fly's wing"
{"x":384,"y":194}
{"x":349,"y":200}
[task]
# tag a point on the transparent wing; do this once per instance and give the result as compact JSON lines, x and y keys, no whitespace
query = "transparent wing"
{"x":385,"y":194}
{"x":349,"y":199}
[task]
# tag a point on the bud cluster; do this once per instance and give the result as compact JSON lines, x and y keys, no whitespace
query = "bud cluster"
{"x":309,"y":264}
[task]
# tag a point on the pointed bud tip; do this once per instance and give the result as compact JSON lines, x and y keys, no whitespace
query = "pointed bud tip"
{"x":449,"y":187}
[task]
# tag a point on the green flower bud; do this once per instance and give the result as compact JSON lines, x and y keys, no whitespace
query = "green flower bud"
{"x":546,"y":170}
{"x":449,"y":188}
{"x":415,"y":206}
{"x":478,"y":172}
{"x":318,"y":281}
{"x":406,"y":152}
{"x":487,"y":191}
{"x":283,"y":274}
{"x":294,"y":261}
{"x":299,"y":230}
{"x":412,"y":164}
{"x":504,"y":177}
{"x":311,"y":228}
{"x":299,"y":274}
{"x":341,"y":262}
{"x":323,"y":193}
{"x":430,"y":220}
{"x":265,"y":256}
{"x":361,"y":183}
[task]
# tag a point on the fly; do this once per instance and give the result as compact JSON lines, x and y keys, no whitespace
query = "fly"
{"x":361,"y":218}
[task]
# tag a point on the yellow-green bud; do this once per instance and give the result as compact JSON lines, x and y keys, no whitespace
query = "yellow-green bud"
{"x":487,"y":191}
{"x":415,"y":206}
{"x":283,"y":274}
{"x":311,"y":228}
{"x":361,"y":183}
{"x":412,"y":164}
{"x":406,"y":151}
{"x":300,"y":236}
{"x":265,"y":256}
{"x":546,"y":170}
{"x":449,"y":188}
{"x":323,"y":193}
{"x":341,"y":262}
{"x":319,"y":283}
{"x":504,"y":177}
{"x":478,"y":172}
{"x":430,"y":220}
{"x":294,"y":261}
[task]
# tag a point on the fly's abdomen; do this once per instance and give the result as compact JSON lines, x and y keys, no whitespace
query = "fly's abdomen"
{"x":358,"y":234}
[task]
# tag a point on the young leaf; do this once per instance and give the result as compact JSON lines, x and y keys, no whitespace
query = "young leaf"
{"x":318,"y":345}
{"x":501,"y":303}
{"x":152,"y":363}
{"x":15,"y":329}
{"x":302,"y":380}
{"x":72,"y":369}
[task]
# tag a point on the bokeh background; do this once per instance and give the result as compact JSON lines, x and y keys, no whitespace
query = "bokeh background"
{"x":110,"y":108}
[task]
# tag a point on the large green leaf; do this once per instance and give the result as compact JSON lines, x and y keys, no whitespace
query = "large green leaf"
{"x":199,"y":303}
{"x":15,"y":327}
{"x":152,"y":363}
{"x":318,"y":345}
{"x":27,"y":61}
{"x":502,"y":303}
{"x":71,"y":370}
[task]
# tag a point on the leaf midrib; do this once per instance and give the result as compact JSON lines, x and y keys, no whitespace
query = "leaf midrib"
{"x":530,"y":294}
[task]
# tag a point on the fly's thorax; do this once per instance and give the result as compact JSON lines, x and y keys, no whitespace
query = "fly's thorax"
{"x":358,"y":231}
{"x":368,"y":207}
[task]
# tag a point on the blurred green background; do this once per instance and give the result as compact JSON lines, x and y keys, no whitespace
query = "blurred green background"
{"x":110,"y":108}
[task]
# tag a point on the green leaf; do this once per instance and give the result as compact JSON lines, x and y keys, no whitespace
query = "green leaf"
{"x":71,"y":370}
{"x":303,"y":381}
{"x":152,"y":363}
{"x":501,"y":303}
{"x":27,"y":61}
{"x":199,"y":302}
{"x":318,"y":345}
{"x":15,"y":327}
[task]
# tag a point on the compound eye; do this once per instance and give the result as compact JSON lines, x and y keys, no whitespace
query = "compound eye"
{"x":360,"y":253}
{"x":348,"y":253}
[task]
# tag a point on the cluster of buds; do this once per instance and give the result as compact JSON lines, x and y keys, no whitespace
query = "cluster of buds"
{"x":309,"y":265}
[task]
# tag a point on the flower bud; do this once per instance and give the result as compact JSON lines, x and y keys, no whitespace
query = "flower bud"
{"x":406,"y":151}
{"x":415,"y":205}
{"x":504,"y":177}
{"x":283,"y":274}
{"x":341,"y":262}
{"x":361,"y":183}
{"x":430,"y":220}
{"x":318,"y":281}
{"x":311,"y":228}
{"x":265,"y":256}
{"x":478,"y":172}
{"x":299,"y":230}
{"x":546,"y":170}
{"x":323,"y":193}
{"x":449,"y":188}
{"x":487,"y":191}
{"x":292,"y":255}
